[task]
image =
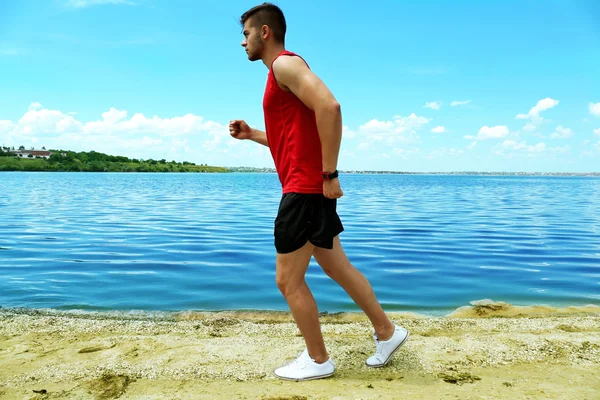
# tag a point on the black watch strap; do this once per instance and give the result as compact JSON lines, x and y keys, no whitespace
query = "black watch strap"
{"x":330,"y":175}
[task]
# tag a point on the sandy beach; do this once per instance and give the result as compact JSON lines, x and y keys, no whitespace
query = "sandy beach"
{"x":483,"y":351}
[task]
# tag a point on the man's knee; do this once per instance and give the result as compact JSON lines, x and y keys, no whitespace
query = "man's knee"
{"x":291,"y":268}
{"x":287,"y":283}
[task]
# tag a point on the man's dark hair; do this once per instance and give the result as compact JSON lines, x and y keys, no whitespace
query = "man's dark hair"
{"x":267,"y":14}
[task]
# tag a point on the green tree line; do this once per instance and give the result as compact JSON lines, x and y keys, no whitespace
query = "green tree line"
{"x":64,"y":160}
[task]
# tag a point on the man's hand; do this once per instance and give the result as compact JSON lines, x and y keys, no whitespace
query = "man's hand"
{"x":332,"y":189}
{"x":239,"y":129}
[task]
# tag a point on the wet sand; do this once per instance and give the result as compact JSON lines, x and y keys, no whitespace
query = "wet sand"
{"x":483,"y":351}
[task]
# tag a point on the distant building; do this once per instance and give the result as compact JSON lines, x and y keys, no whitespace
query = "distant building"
{"x":34,"y":153}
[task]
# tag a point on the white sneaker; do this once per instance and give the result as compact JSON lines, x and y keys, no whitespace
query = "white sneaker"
{"x":385,"y":350}
{"x":305,"y":368}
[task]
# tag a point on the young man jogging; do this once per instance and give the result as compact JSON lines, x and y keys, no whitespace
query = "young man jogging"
{"x":303,"y":132}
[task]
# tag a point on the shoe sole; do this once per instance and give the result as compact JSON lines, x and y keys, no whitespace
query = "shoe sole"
{"x":310,"y":378}
{"x":391,"y":354}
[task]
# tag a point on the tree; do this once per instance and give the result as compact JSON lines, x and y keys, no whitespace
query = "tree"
{"x":21,"y":147}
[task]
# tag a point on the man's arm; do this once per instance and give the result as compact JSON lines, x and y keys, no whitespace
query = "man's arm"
{"x":240,"y":130}
{"x":293,"y":74}
{"x":259,"y":137}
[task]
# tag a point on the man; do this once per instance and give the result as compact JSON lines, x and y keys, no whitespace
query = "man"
{"x":303,"y":132}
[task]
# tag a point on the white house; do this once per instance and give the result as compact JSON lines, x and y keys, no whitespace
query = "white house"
{"x":34,"y":153}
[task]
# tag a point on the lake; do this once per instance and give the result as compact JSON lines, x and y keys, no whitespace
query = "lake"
{"x":174,"y":241}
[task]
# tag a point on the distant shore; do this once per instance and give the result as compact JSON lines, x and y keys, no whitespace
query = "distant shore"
{"x":192,"y":168}
{"x":70,"y":161}
{"x":92,"y":161}
{"x":487,"y":350}
{"x":499,"y":173}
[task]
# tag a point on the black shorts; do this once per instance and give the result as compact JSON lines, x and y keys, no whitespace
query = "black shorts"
{"x":306,"y":217}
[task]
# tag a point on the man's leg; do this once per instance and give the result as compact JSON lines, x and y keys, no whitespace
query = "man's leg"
{"x":290,"y":277}
{"x":336,"y":265}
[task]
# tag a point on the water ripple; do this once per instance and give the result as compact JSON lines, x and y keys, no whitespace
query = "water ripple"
{"x":205,"y":241}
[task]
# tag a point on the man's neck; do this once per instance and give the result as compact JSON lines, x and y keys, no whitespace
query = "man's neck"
{"x":271,"y":54}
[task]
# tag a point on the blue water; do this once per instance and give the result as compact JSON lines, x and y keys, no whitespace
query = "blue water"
{"x":427,"y":243}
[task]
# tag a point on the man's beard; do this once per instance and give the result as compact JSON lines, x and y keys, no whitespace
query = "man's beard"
{"x":259,"y":45}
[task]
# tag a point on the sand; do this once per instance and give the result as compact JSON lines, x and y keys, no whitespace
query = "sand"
{"x":483,"y":351}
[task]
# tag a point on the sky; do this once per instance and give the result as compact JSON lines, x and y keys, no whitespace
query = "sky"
{"x":424,"y":86}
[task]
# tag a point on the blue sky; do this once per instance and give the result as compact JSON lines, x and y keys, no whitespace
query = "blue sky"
{"x":424,"y":85}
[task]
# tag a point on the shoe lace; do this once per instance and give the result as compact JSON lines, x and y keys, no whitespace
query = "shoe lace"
{"x":378,"y":346}
{"x":299,"y":362}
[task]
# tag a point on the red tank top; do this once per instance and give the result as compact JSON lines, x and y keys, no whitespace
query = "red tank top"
{"x":293,"y":138}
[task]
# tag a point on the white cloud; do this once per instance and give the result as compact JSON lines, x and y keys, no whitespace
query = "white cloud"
{"x":187,"y":137}
{"x":87,"y":3}
{"x":114,"y":121}
{"x":38,"y":121}
{"x":511,"y":145}
{"x":493,"y":132}
{"x":542,"y":105}
{"x":148,"y":141}
{"x":348,"y":133}
{"x":434,"y":105}
{"x":529,"y":127}
{"x":5,"y":125}
{"x":400,"y":130}
{"x":375,"y":126}
{"x":404,"y":153}
{"x":597,"y":131}
{"x":562,"y":133}
{"x":595,"y":109}
{"x":113,"y":115}
{"x":538,"y":148}
{"x":410,"y":123}
{"x":35,"y":106}
{"x":438,"y":129}
{"x":472,"y":145}
{"x":460,"y":103}
{"x":469,"y":137}
{"x":510,"y":148}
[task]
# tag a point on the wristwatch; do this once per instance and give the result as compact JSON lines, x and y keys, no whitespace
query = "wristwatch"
{"x":329,"y":175}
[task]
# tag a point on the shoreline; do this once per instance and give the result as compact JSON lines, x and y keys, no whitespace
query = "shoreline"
{"x":476,"y":309}
{"x":486,"y":350}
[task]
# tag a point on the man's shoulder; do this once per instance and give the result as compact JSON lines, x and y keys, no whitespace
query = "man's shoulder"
{"x":289,"y":63}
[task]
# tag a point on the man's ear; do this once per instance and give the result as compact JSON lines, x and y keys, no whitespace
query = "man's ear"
{"x":264,"y":32}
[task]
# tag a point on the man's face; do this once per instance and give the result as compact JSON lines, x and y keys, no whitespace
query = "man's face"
{"x":252,"y":42}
